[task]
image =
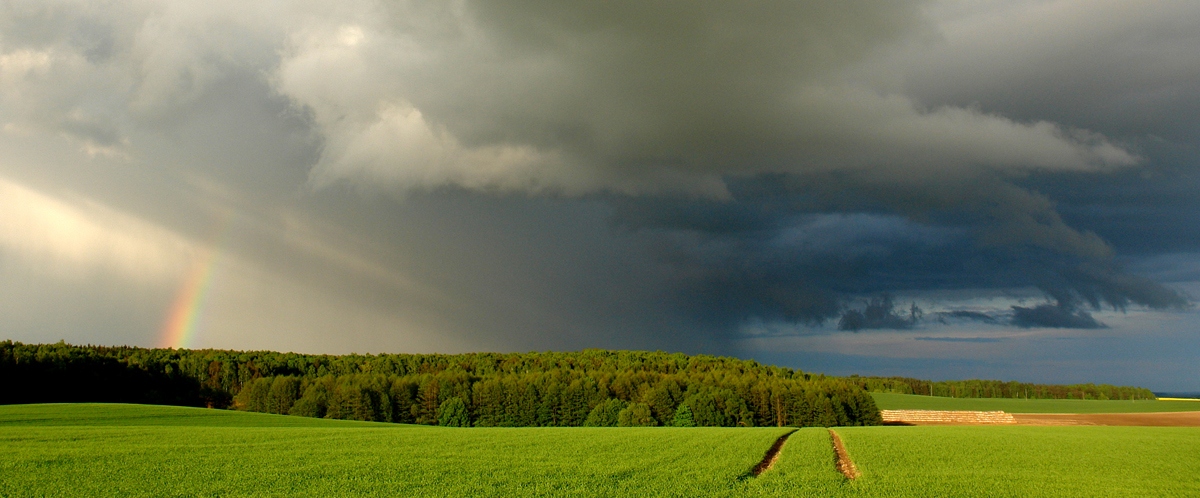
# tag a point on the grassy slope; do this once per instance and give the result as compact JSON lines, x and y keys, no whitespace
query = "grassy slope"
{"x":150,"y":451}
{"x":913,"y":402}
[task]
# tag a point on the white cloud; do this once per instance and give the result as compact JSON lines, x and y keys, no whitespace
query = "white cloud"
{"x":400,"y":147}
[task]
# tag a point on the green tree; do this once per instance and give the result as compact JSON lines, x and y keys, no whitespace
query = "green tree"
{"x":683,"y":417}
{"x":706,"y":412}
{"x":605,"y":414}
{"x":284,"y":391}
{"x":403,"y":395}
{"x":315,"y":401}
{"x":453,"y":413}
{"x":254,"y":395}
{"x":636,"y":415}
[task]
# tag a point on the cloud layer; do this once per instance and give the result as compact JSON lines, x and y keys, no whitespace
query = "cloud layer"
{"x":633,"y":99}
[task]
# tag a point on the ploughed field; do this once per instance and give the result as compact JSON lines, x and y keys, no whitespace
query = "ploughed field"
{"x":134,"y":450}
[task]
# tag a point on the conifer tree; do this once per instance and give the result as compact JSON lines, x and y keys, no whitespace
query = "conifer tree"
{"x":683,"y":417}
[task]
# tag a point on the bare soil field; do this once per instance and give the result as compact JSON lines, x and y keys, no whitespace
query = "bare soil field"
{"x":1162,"y":419}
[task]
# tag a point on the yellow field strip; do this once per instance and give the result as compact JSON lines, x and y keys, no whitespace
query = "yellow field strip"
{"x":1178,"y":399}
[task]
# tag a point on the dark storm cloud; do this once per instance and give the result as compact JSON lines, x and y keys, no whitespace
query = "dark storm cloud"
{"x":880,"y":313}
{"x":772,"y":253}
{"x":1140,"y":213}
{"x":959,"y":339}
{"x":1054,"y":316}
{"x":792,"y":266}
{"x":977,"y":316}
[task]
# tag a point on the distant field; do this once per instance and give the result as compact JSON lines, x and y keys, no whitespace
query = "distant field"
{"x":131,"y":450}
{"x":914,"y":402}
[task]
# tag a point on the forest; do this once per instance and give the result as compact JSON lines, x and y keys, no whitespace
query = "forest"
{"x":999,"y":389}
{"x":584,"y":388}
{"x":591,"y":387}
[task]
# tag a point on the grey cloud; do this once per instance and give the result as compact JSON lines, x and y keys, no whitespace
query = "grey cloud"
{"x":879,"y":313}
{"x":1101,"y":285}
{"x":1054,"y":316}
{"x":984,"y":234}
{"x":1122,"y":69}
{"x":977,"y":316}
{"x":636,"y":99}
{"x":959,"y":339}
{"x":99,"y":131}
{"x":1140,"y":213}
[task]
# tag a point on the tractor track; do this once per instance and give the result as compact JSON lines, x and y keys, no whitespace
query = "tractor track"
{"x":842,"y":459}
{"x":768,"y":460}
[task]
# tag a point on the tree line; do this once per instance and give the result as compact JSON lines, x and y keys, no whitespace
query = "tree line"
{"x":568,"y":397}
{"x":590,"y":387}
{"x":999,"y":389}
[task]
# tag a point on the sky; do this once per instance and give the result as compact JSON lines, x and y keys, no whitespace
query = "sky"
{"x":959,"y":189}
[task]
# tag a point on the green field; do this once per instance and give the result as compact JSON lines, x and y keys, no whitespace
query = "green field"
{"x":1024,"y":461}
{"x":95,"y":450}
{"x":120,"y":415}
{"x":131,"y":450}
{"x":914,"y":402}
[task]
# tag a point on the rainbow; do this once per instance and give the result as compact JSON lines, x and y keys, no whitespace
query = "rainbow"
{"x":179,"y":331}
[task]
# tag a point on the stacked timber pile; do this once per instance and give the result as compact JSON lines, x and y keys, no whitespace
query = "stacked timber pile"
{"x":931,"y":417}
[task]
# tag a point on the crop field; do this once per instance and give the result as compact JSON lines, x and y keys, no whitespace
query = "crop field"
{"x":117,"y":415}
{"x":913,"y":402}
{"x":1024,"y":461}
{"x":94,"y":450}
{"x":132,"y":450}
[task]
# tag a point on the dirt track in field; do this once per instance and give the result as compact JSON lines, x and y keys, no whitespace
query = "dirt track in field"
{"x":842,"y":458}
{"x":771,"y":457}
{"x":1158,"y":419}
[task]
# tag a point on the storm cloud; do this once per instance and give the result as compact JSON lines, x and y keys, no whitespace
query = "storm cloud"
{"x":640,"y":98}
{"x":448,"y":176}
{"x":1054,"y":316}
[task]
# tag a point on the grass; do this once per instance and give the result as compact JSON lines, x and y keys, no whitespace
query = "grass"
{"x":1024,"y":461}
{"x":130,"y":450}
{"x":54,"y":450}
{"x":125,"y":415}
{"x":887,"y":401}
